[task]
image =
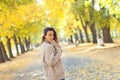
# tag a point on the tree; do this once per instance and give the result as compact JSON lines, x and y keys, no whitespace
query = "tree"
{"x":92,"y":23}
{"x":18,"y":22}
{"x":78,"y":8}
{"x":104,"y":22}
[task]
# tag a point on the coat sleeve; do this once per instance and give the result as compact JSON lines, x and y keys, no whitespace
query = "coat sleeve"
{"x":51,"y":57}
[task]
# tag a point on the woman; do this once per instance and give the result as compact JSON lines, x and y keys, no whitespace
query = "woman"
{"x":51,"y":55}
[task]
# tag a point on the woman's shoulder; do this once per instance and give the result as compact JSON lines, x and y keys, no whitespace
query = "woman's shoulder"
{"x":43,"y":47}
{"x":46,"y":45}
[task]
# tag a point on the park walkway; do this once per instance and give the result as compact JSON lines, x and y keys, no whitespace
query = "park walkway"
{"x":83,"y":62}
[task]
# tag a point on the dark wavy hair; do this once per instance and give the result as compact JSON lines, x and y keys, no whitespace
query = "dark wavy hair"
{"x":45,"y":32}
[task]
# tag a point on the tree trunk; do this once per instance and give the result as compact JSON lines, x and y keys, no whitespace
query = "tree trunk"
{"x":2,"y":48}
{"x":81,"y":36}
{"x":26,"y":44}
{"x":76,"y":37}
{"x":21,"y":45}
{"x":93,"y":31}
{"x":86,"y":34}
{"x":92,"y":26}
{"x":2,"y":57}
{"x":106,"y":35}
{"x":85,"y":30}
{"x":15,"y":41}
{"x":71,"y":40}
{"x":9,"y":47}
{"x":30,"y":43}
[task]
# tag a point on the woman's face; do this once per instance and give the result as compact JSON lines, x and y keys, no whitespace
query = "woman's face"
{"x":49,"y":36}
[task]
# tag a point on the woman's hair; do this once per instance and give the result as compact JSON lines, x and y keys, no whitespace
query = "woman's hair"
{"x":45,"y":32}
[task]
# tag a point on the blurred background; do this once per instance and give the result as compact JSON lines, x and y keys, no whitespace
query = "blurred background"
{"x":76,"y":21}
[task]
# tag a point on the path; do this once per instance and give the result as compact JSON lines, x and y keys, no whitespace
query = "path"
{"x":84,"y":62}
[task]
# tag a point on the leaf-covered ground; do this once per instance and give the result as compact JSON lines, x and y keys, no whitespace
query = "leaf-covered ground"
{"x":83,"y":62}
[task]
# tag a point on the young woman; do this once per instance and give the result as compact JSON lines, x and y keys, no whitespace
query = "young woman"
{"x":51,"y":55}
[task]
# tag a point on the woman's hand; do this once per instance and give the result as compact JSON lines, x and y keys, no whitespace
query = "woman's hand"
{"x":54,"y":43}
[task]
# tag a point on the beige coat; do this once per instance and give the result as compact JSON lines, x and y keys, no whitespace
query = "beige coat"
{"x":51,"y":58}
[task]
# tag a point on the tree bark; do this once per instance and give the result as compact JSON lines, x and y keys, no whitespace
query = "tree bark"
{"x":15,"y":41}
{"x":30,"y":43}
{"x":85,"y":30}
{"x":26,"y":44}
{"x":106,"y":35}
{"x":2,"y":57}
{"x":92,"y":26}
{"x":3,"y":51}
{"x":76,"y":37}
{"x":21,"y":45}
{"x":86,"y":34}
{"x":81,"y":35}
{"x":9,"y":47}
{"x":93,"y":31}
{"x":71,"y":39}
{"x":2,"y":60}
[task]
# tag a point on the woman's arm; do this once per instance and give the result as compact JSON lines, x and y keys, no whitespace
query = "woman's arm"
{"x":58,"y":50}
{"x":51,"y":57}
